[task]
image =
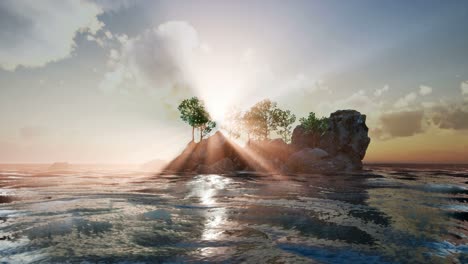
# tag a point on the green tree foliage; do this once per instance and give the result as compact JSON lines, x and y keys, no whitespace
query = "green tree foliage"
{"x":283,"y":120}
{"x":194,"y":113}
{"x":207,"y":128}
{"x":314,"y":124}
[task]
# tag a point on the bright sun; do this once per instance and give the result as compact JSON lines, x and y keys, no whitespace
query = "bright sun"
{"x":219,"y":90}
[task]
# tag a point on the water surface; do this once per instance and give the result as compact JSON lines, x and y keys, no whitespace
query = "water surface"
{"x":386,"y":214}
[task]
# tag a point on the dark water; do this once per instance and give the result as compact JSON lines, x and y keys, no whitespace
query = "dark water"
{"x":387,"y":214}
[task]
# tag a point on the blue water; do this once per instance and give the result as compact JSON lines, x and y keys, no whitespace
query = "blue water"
{"x":385,"y":214}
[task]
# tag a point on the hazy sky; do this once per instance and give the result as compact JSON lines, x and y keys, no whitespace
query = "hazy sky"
{"x":100,"y":81}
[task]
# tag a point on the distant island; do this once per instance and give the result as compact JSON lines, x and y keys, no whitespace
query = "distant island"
{"x":316,"y":145}
{"x":59,"y":166}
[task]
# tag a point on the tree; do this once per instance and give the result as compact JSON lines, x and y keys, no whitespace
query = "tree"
{"x":233,"y":122}
{"x":194,"y":113}
{"x":259,"y":121}
{"x":207,"y":128}
{"x":314,"y":124}
{"x":283,"y":120}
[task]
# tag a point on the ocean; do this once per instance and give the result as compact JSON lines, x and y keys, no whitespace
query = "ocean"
{"x":388,"y":213}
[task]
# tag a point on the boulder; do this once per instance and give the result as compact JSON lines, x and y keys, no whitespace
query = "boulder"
{"x":304,"y":139}
{"x":305,"y":159}
{"x":346,"y":139}
{"x":347,"y":136}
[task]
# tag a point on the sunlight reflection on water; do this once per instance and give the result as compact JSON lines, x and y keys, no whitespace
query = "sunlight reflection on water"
{"x":207,"y":187}
{"x":386,"y":215}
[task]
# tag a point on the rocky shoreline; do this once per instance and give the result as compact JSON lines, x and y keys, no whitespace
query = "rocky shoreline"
{"x":340,"y":148}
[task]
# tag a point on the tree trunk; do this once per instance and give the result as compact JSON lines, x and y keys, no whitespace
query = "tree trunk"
{"x":193,"y":134}
{"x":201,"y":134}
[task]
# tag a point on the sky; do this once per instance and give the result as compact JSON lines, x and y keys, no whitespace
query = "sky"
{"x":99,"y":81}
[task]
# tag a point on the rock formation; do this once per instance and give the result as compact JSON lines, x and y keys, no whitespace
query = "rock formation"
{"x":341,"y":148}
{"x":212,"y":155}
{"x":346,"y":140}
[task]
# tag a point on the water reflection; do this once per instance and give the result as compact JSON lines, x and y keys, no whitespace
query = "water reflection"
{"x":207,"y":188}
{"x":386,"y":215}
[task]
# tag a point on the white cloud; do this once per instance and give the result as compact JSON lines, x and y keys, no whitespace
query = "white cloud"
{"x":306,"y":83}
{"x":108,"y":34}
{"x":35,"y":33}
{"x":172,"y":62}
{"x":359,"y":101}
{"x":406,"y":101}
{"x":379,"y":92}
{"x":161,"y":57}
{"x":425,"y":90}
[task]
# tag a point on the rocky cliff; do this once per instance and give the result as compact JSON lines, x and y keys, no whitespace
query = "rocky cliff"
{"x":346,"y":139}
{"x":341,"y":148}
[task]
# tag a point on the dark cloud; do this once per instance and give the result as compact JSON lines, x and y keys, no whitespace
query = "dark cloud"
{"x":408,"y":123}
{"x":35,"y":33}
{"x":15,"y":27}
{"x":450,"y":117}
{"x":399,"y":124}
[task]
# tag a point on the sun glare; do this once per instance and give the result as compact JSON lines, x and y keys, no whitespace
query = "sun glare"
{"x":218,"y":88}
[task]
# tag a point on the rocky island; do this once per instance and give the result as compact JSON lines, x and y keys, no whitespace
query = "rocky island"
{"x":339,"y":147}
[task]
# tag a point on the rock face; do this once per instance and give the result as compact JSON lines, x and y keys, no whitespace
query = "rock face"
{"x":305,"y":157}
{"x":346,"y":140}
{"x":302,"y":139}
{"x":347,"y":134}
{"x":341,"y":148}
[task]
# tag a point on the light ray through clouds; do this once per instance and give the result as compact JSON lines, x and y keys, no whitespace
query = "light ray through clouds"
{"x":96,"y":68}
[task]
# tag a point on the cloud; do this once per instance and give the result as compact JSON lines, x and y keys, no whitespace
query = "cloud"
{"x":450,"y":116}
{"x":161,"y":57}
{"x":399,"y":124}
{"x":379,"y":92}
{"x":306,"y":84}
{"x":406,"y":100}
{"x":115,"y":5}
{"x":35,"y":33}
{"x":359,"y":101}
{"x":425,"y":90}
